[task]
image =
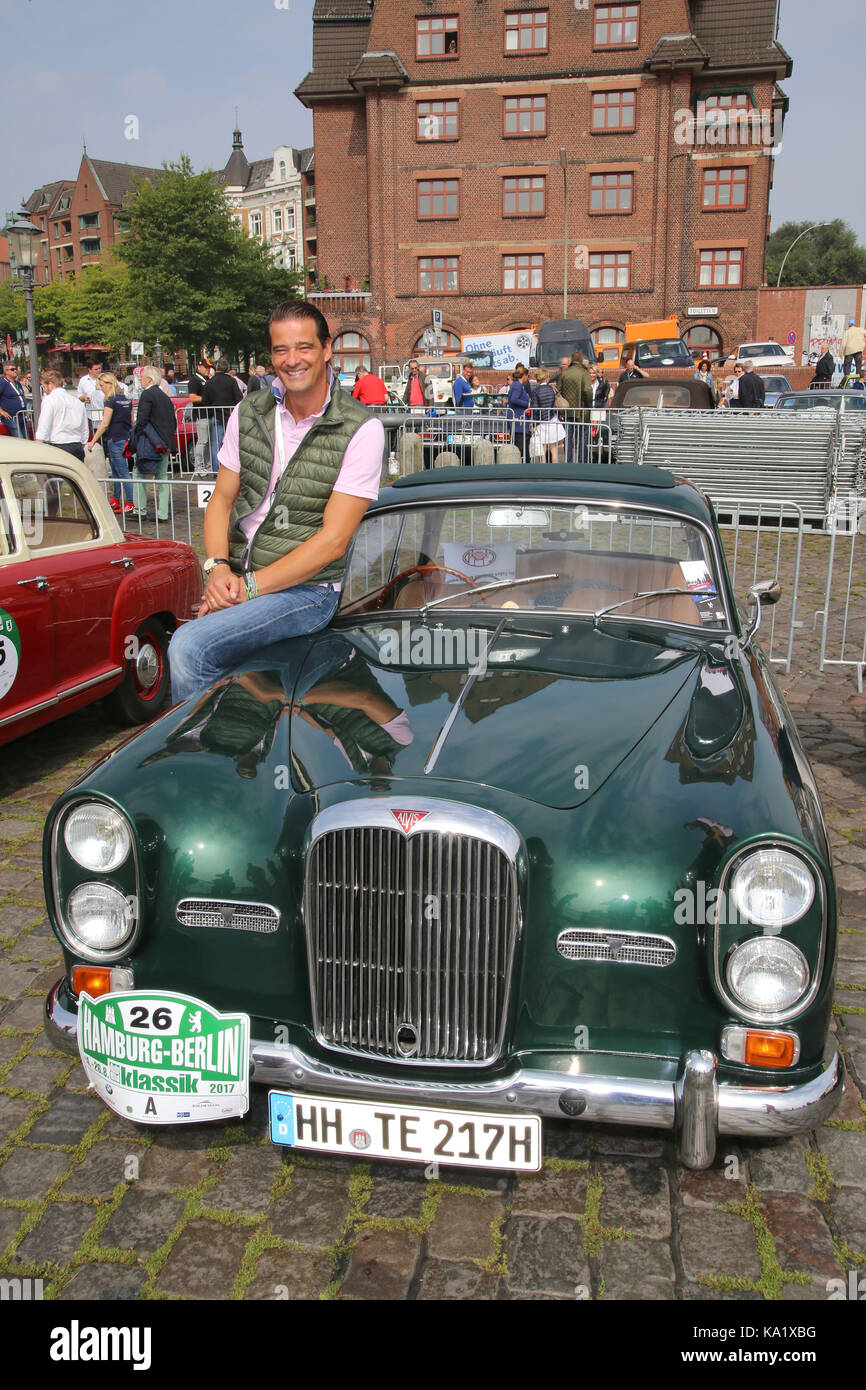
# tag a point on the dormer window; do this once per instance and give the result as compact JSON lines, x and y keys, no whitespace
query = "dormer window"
{"x":282,"y":171}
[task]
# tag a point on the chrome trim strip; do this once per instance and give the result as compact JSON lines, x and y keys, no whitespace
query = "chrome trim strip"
{"x":476,"y":671}
{"x":736,"y":1006}
{"x":73,"y":944}
{"x":62,"y":695}
{"x":615,"y":942}
{"x":448,"y":817}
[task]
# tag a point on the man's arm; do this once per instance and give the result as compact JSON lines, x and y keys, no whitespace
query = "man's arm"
{"x":46,"y":417}
{"x":223,"y":586}
{"x":341,"y":518}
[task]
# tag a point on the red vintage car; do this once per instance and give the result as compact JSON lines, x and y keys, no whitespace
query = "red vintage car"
{"x":85,"y":611}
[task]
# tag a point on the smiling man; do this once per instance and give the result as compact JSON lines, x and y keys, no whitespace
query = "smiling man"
{"x":299,"y":466}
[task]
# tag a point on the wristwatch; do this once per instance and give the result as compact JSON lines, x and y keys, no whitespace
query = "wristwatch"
{"x":212,"y":562}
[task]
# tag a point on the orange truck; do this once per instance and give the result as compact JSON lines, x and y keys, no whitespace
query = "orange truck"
{"x":656,"y":343}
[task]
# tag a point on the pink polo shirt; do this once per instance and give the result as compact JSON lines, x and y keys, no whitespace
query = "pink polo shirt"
{"x":359,"y":473}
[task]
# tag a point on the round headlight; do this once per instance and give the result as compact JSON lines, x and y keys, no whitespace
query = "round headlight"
{"x":99,"y":917}
{"x":772,"y":888}
{"x":97,"y":837}
{"x":767,"y":974}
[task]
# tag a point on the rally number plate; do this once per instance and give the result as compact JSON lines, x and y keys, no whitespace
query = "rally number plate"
{"x":412,"y":1133}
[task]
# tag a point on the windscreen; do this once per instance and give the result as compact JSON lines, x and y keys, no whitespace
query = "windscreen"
{"x":551,"y":352}
{"x":662,"y":352}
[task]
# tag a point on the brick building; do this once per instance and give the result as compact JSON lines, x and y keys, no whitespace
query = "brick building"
{"x":446,"y":132}
{"x":82,"y":218}
{"x":268,"y":199}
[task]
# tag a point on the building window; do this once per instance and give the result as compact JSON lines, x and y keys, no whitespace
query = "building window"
{"x":526,"y":31}
{"x":68,"y":253}
{"x":255,"y":224}
{"x":90,"y":246}
{"x":277,"y":220}
{"x":614,"y":110}
{"x":291,"y":257}
{"x":523,"y":272}
{"x":88,"y":220}
{"x":67,"y":229}
{"x":58,"y":256}
{"x":437,"y":37}
{"x":438,"y":274}
{"x":450,"y":343}
{"x":610,"y":270}
{"x":282,"y":171}
{"x":721,"y":267}
{"x":611,"y":192}
{"x":725,"y":188}
{"x":524,"y":116}
{"x":524,"y":196}
{"x":290,"y":219}
{"x":438,"y":198}
{"x":437,"y":120}
{"x":616,"y":26}
{"x":704,"y":341}
{"x":350,"y":350}
{"x":602,"y":337}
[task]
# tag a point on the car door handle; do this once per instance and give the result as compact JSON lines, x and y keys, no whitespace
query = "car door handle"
{"x":38,"y":579}
{"x":126,"y":562}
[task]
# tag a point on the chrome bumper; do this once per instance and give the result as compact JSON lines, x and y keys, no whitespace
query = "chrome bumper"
{"x":692,"y":1103}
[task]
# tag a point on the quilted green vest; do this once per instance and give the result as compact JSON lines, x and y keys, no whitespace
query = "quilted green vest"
{"x":297,"y":506}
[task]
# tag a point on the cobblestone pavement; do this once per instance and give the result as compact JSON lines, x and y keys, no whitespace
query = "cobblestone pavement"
{"x":102,"y":1209}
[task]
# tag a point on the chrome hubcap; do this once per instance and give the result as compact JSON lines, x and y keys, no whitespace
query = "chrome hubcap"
{"x":147,"y":666}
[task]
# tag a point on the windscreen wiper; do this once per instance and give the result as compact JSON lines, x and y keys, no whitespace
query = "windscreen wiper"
{"x":486,"y":589}
{"x":650,"y":593}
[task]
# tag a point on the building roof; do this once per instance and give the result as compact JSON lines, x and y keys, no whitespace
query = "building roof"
{"x":236,"y":174}
{"x":739,"y":33}
{"x":378,"y":68}
{"x":304,"y":160}
{"x":339,"y":44}
{"x":42,"y":199}
{"x":333,"y":10}
{"x":677,"y":50}
{"x":115,"y":180}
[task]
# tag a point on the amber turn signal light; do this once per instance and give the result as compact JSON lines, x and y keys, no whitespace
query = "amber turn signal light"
{"x":91,"y":979}
{"x":769,"y":1049}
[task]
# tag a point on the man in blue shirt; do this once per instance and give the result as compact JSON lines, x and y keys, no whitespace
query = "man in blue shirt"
{"x":463,"y":388}
{"x":13,"y":402}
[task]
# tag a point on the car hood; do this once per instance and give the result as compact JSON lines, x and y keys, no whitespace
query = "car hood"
{"x":549,"y":719}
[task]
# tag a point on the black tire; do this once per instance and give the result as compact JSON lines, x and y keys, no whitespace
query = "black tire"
{"x":144,"y":689}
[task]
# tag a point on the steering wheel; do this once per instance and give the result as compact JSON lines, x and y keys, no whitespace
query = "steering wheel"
{"x":424,"y":569}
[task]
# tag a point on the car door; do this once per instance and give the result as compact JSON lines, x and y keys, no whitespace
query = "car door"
{"x":82,"y":570}
{"x":27,"y":670}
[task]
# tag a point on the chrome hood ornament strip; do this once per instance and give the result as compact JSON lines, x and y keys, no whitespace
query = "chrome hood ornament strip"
{"x":478,"y":669}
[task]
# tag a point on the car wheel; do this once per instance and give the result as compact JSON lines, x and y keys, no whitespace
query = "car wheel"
{"x":145,"y":685}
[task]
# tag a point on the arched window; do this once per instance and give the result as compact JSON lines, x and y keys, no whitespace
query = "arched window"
{"x":351,"y":350}
{"x":607,"y":334}
{"x":700,"y":338}
{"x":450,"y":343}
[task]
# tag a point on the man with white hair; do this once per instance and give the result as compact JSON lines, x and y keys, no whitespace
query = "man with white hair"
{"x":153,"y":439}
{"x":751,"y":391}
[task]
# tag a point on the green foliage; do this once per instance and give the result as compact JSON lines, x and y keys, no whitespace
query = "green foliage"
{"x":96,"y":309}
{"x":830,"y":255}
{"x":13,"y":314}
{"x":194,"y":277}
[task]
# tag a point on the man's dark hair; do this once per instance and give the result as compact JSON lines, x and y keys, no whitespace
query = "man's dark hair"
{"x":299,"y":309}
{"x":94,"y":362}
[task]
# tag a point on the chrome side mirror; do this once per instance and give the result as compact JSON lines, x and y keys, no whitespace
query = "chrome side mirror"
{"x":766,"y":591}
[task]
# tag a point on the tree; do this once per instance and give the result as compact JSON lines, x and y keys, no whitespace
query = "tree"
{"x":13,"y":313}
{"x":830,"y":255}
{"x":194,"y":277}
{"x":96,"y":308}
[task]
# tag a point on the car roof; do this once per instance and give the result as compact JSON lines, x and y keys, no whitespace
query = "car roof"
{"x":647,"y":486}
{"x":699,"y":391}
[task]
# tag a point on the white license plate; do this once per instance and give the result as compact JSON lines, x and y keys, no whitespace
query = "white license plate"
{"x":412,"y":1133}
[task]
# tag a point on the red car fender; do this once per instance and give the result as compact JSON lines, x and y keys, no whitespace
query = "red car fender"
{"x":165,"y":578}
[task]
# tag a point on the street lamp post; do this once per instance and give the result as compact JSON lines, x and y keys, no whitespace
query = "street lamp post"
{"x":793,"y":244}
{"x":23,"y":243}
{"x":563,"y":159}
{"x":157,"y":347}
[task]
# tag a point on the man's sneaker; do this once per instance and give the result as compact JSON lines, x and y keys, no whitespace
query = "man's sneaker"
{"x":114,"y":504}
{"x":128,"y":507}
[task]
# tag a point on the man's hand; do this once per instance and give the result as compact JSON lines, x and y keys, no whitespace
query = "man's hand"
{"x":224,"y":589}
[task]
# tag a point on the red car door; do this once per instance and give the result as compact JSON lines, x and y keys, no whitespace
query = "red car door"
{"x":27,"y":677}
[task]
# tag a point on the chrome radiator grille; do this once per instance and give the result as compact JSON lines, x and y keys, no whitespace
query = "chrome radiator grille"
{"x":411,"y":940}
{"x":619,"y":947}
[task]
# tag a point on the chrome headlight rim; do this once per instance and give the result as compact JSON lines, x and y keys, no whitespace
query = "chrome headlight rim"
{"x":117,"y":862}
{"x":774,"y":944}
{"x":57,"y":897}
{"x":820,"y":900}
{"x":741,"y":866}
{"x":85,"y":948}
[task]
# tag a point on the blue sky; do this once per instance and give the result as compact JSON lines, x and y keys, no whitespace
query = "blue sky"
{"x":74,"y":73}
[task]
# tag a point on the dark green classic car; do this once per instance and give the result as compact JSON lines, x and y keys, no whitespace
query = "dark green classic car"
{"x":527,"y":832}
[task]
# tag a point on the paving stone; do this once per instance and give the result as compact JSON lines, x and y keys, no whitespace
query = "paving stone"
{"x":314,"y":1210}
{"x":143,"y":1221}
{"x":450,"y":1281}
{"x":849,"y":1211}
{"x":177,"y":1159}
{"x":551,"y":1192}
{"x":248,"y":1179}
{"x":36,"y":1074}
{"x":99,"y":1173}
{"x":849,"y":1108}
{"x":24,"y":1014}
{"x":57,"y":1234}
{"x":15,"y":916}
{"x":105,"y":1283}
{"x":16,"y":827}
{"x":699,"y":1293}
{"x":381,"y":1266}
{"x":66,"y":1121}
{"x":641,"y":1269}
{"x":15,"y":977}
{"x":564,"y":1139}
{"x":296,"y":1275}
{"x":852,"y":972}
{"x":28,"y":1173}
{"x":636,"y":1196}
{"x":205,"y":1260}
{"x":803,"y":1240}
{"x":855,"y":1024}
{"x":816,"y":1292}
{"x":10,"y":1220}
{"x":713,"y":1242}
{"x":463,"y":1227}
{"x":10,"y":1047}
{"x":14,"y":880}
{"x":846,"y":1154}
{"x":711,"y":1187}
{"x":545,"y":1256}
{"x":395,"y":1198}
{"x":781,"y":1166}
{"x":14,"y":1110}
{"x":625,"y":1142}
{"x":850,"y":879}
{"x":849,"y":999}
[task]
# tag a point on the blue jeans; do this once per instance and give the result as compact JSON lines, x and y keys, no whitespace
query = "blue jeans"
{"x":17,"y":424}
{"x":119,"y":469}
{"x":210,"y":647}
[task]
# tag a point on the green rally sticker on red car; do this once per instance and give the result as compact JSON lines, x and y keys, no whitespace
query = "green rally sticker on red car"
{"x":165,"y":1059}
{"x":10,"y":651}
